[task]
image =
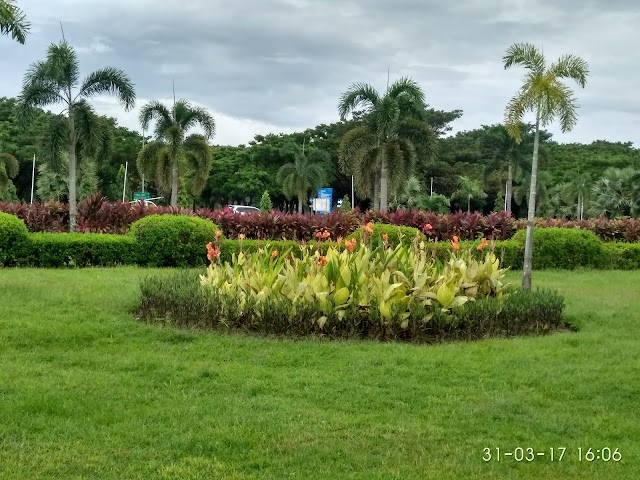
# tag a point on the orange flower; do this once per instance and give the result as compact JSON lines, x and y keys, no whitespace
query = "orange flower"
{"x":385,"y":237}
{"x":212,"y":252}
{"x":274,"y":254}
{"x":455,"y":246}
{"x":339,"y":240}
{"x":369,"y":227}
{"x":351,"y":245}
{"x":318,"y":235}
{"x":241,"y":236}
{"x":482,"y":245}
{"x":455,"y":239}
{"x":326,"y":234}
{"x":427,"y":228}
{"x":322,"y":262}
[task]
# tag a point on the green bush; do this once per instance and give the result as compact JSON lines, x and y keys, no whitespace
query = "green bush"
{"x":54,"y":250}
{"x":620,"y":256}
{"x":346,"y":204}
{"x":181,"y":300}
{"x":172,"y":240}
{"x":565,"y":248}
{"x":395,"y":233}
{"x":13,"y":239}
{"x":265,"y":202}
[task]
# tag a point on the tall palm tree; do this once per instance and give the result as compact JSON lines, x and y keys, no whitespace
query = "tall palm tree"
{"x":77,"y":128}
{"x":544,"y":94}
{"x":172,"y":154}
{"x":13,"y":21}
{"x":305,"y":173}
{"x":579,"y":189}
{"x":468,"y":189}
{"x":394,"y":133}
{"x":9,"y":169}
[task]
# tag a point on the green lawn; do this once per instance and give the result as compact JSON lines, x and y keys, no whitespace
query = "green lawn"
{"x":87,"y":392}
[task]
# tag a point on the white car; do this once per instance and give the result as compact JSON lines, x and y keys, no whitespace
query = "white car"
{"x":243,"y":209}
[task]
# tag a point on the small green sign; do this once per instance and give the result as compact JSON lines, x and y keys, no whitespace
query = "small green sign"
{"x":141,"y":195}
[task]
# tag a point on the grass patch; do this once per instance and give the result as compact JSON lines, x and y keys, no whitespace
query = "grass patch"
{"x":87,"y":392}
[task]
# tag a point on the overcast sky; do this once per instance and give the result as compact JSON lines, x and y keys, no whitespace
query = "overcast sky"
{"x":270,"y":66}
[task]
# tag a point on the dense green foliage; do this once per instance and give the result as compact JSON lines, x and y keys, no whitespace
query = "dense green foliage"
{"x":13,"y":239}
{"x":563,"y":247}
{"x":243,"y":171}
{"x":172,"y":240}
{"x":266,"y":205}
{"x":395,"y":234}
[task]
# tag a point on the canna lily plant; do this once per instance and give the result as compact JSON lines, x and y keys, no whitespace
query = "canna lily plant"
{"x":351,"y":280}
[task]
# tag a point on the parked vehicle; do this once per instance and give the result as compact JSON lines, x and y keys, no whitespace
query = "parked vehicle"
{"x":243,"y":209}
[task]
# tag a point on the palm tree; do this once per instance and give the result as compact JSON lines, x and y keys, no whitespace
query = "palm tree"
{"x":617,"y":193}
{"x":394,"y":132}
{"x":52,"y":182}
{"x":469,"y":188}
{"x":578,"y":189}
{"x":171,"y":155}
{"x":13,"y":21}
{"x":305,"y":173}
{"x":544,"y":94}
{"x":77,"y":128}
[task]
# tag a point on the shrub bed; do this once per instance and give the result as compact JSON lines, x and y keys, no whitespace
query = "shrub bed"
{"x":385,"y":294}
{"x":97,"y":214}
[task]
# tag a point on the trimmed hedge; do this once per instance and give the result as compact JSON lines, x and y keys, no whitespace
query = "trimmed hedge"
{"x":172,"y":240}
{"x":179,"y":300}
{"x":396,"y":233}
{"x":565,"y":248}
{"x":14,"y":238}
{"x":54,"y":250}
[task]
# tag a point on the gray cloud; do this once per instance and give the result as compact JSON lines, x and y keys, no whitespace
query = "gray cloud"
{"x":279,"y":65}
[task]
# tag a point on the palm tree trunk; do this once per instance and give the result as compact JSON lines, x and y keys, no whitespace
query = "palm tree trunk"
{"x":299,"y":204}
{"x":469,"y":204}
{"x":384,"y":186}
{"x":174,"y":183}
{"x":509,"y":191}
{"x":528,"y":246}
{"x":376,"y":192}
{"x":578,"y":216}
{"x":72,"y":180}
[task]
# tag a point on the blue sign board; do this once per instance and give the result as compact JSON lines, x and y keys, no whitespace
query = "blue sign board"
{"x":328,"y":194}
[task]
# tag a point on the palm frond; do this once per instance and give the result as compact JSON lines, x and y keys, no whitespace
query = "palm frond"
{"x":109,"y":80}
{"x":421,"y":135}
{"x":353,"y":143}
{"x":33,"y":97}
{"x":386,"y":116}
{"x":188,"y":116}
{"x":198,"y":157}
{"x":62,"y":66}
{"x":155,"y":110}
{"x":55,"y":141}
{"x":524,"y":101}
{"x":407,"y":88}
{"x":148,"y":158}
{"x":164,"y":170}
{"x":527,"y":55}
{"x":571,"y":67}
{"x":90,"y":132}
{"x":566,"y":107}
{"x":13,"y":21}
{"x":358,"y":95}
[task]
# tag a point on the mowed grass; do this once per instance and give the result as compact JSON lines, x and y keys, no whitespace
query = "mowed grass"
{"x":87,"y":392}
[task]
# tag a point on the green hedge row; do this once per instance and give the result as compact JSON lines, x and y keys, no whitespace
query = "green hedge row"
{"x":179,"y":241}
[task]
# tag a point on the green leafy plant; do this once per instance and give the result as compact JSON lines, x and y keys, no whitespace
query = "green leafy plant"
{"x":565,"y":248}
{"x":346,"y":205}
{"x":172,"y":240}
{"x":13,"y":239}
{"x":265,"y":202}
